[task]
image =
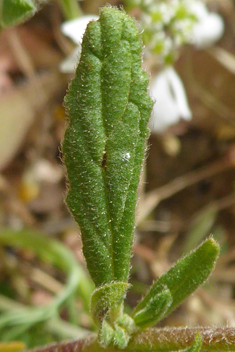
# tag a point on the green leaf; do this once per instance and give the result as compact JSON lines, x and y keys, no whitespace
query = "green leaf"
{"x":200,"y":228}
{"x":127,"y":323}
{"x":124,"y":329}
{"x":118,"y":332}
{"x":196,"y":345}
{"x":12,"y":12}
{"x":108,"y":109}
{"x":71,"y":9}
{"x":15,"y":321}
{"x":154,"y":310}
{"x":121,"y":338}
{"x":106,"y":334}
{"x":106,"y":299}
{"x":184,"y":277}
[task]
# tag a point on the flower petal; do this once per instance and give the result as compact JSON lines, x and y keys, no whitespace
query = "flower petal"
{"x":171,"y":101}
{"x":209,"y":31}
{"x":209,"y":28}
{"x":179,"y":94}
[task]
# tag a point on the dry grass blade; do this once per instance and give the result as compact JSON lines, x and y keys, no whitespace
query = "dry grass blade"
{"x":224,"y":57}
{"x":153,"y":198}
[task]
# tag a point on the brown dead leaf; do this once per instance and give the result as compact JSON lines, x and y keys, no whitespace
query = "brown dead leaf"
{"x":18,"y":109}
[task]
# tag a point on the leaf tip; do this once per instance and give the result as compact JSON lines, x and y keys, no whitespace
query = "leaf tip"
{"x":213,"y":246}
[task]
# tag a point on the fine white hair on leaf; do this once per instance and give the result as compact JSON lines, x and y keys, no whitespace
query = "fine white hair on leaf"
{"x":75,"y":29}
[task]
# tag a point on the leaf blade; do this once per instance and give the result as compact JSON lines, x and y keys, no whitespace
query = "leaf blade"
{"x":106,"y":298}
{"x":185,"y":276}
{"x":104,"y":143}
{"x":196,"y":345}
{"x":15,"y":11}
{"x":154,"y":310}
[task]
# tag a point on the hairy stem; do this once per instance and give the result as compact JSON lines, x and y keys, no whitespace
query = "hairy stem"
{"x":161,"y":340}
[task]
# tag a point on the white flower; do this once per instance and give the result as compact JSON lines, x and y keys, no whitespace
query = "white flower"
{"x":171,"y":101}
{"x":75,"y":30}
{"x":181,"y":22}
{"x":209,"y":28}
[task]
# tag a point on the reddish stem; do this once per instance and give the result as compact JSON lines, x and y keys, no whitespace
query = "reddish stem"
{"x":160,"y":340}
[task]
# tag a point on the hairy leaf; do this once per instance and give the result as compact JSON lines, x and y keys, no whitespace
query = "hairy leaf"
{"x":118,"y":333}
{"x":196,"y":345}
{"x":121,"y":338}
{"x":13,"y":12}
{"x":106,"y":298}
{"x":127,"y":323}
{"x":108,"y":109}
{"x":184,"y":277}
{"x":106,"y":333}
{"x":154,"y":310}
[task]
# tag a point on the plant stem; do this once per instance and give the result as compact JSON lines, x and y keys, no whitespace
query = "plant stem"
{"x":71,"y":9}
{"x":160,"y":340}
{"x":115,"y":313}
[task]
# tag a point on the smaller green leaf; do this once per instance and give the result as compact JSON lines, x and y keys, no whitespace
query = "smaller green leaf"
{"x":106,"y":333}
{"x":12,"y":12}
{"x":121,"y":338}
{"x":196,"y":345}
{"x":154,"y":310}
{"x":119,"y":333}
{"x":185,"y":276}
{"x":107,"y":299}
{"x":127,"y":323}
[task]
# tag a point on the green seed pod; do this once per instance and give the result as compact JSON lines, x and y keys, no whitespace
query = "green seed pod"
{"x":108,"y":110}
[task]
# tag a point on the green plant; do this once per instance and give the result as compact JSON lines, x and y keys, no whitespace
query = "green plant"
{"x":13,"y":12}
{"x":104,"y":145}
{"x":104,"y":148}
{"x":19,"y":322}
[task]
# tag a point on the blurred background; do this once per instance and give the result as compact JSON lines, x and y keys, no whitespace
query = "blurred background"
{"x":187,"y":189}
